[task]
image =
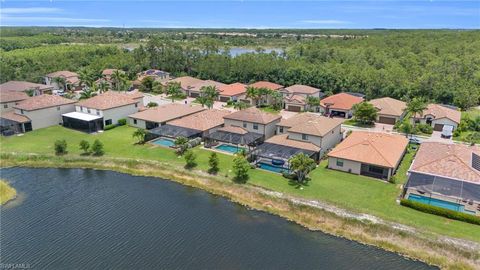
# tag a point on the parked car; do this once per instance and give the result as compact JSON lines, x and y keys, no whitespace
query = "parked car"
{"x":447,"y":131}
{"x":414,"y":140}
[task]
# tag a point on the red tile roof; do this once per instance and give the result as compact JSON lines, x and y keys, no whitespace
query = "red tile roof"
{"x":438,"y":111}
{"x":21,"y":86}
{"x":268,"y":85}
{"x":15,"y":117}
{"x":202,"y":121}
{"x":253,"y":115}
{"x":341,"y":101}
{"x":302,"y":89}
{"x":42,"y":102}
{"x":233,"y":89}
{"x":284,"y":139}
{"x":108,"y":100}
{"x":11,"y":96}
{"x":166,"y":112}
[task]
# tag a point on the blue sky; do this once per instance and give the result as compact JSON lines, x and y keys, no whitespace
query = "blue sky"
{"x":244,"y":14}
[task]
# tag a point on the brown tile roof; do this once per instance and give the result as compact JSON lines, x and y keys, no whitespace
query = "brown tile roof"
{"x":186,"y":81}
{"x":253,"y":115}
{"x":21,"y":86}
{"x":202,"y":121}
{"x":341,"y":101}
{"x":374,"y":148}
{"x":448,"y":160}
{"x":166,"y":112}
{"x":312,"y":124}
{"x":233,"y":89}
{"x":438,"y":111}
{"x":15,"y":117}
{"x":69,"y":76}
{"x":298,"y":99}
{"x":302,"y":89}
{"x":284,"y":140}
{"x":43,"y":101}
{"x":135,"y":94}
{"x":198,"y":86}
{"x":389,"y":106}
{"x":10,"y":96}
{"x":109,"y":71}
{"x":268,"y":85}
{"x":234,"y":129}
{"x":108,"y":100}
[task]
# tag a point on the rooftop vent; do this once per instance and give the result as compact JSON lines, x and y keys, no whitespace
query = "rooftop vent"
{"x":476,"y":161}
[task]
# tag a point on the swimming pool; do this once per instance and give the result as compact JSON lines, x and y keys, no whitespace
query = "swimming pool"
{"x":270,"y":167}
{"x":164,"y":142}
{"x":436,"y":202}
{"x":229,"y":148}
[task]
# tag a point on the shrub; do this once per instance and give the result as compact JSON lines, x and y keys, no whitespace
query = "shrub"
{"x":85,"y":146}
{"x":190,"y":159}
{"x":441,"y":211}
{"x":424,"y":128}
{"x":230,"y":102}
{"x":60,"y":147}
{"x":97,"y":148}
{"x":108,"y":127}
{"x":122,"y":122}
{"x":152,"y":104}
{"x":213,"y":163}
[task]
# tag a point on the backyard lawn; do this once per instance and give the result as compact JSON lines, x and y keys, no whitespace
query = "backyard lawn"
{"x":358,"y":193}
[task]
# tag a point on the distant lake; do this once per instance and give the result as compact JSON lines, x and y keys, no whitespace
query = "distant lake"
{"x":88,"y":219}
{"x":238,"y":51}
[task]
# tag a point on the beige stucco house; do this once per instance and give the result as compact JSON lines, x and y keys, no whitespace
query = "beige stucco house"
{"x":159,"y":116}
{"x":390,"y":110}
{"x":339,"y":105}
{"x":295,"y":97}
{"x":254,"y":120}
{"x":22,"y":86}
{"x":438,"y":116}
{"x":8,"y":99}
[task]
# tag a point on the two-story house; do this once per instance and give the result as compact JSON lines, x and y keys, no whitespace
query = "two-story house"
{"x":295,"y":98}
{"x":254,"y":120}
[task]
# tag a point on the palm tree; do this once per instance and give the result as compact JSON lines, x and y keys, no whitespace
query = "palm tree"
{"x":174,"y":90}
{"x":103,"y":86}
{"x":118,"y":80}
{"x":209,"y":94}
{"x":312,"y":102}
{"x":415,"y":107}
{"x":86,"y":77}
{"x":263,"y":93}
{"x":61,"y":82}
{"x":240,"y":105}
{"x":88,"y":93}
{"x":302,"y":165}
{"x":139,"y":134}
{"x":277,"y":98}
{"x":253,"y":94}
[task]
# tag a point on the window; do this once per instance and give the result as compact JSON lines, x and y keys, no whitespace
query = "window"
{"x":98,"y":112}
{"x":375,"y":169}
{"x":304,"y":137}
{"x":88,"y":110}
{"x":21,"y":111}
{"x":255,"y":126}
{"x":134,"y":121}
{"x":136,"y":105}
{"x":339,"y":162}
{"x":281,"y":129}
{"x":108,"y":122}
{"x":244,"y":125}
{"x":5,"y":106}
{"x":58,"y":108}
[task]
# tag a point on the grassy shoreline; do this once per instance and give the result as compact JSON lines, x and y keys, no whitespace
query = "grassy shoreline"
{"x":7,"y":192}
{"x":414,"y":244}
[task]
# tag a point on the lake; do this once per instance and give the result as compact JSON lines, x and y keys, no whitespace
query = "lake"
{"x":88,"y":219}
{"x":236,"y":51}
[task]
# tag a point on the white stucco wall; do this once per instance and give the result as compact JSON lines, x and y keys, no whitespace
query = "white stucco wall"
{"x":47,"y":117}
{"x":118,"y":113}
{"x":139,"y":124}
{"x":8,"y":105}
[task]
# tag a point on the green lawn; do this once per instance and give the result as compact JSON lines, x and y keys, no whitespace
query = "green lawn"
{"x":345,"y":190}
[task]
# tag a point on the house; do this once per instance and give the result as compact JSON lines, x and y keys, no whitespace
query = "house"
{"x":199,"y":124}
{"x":390,"y":110}
{"x":446,"y":175}
{"x":8,"y":99}
{"x":186,"y":82}
{"x":295,"y":97}
{"x":105,"y":109}
{"x":254,"y":120}
{"x":72,"y":82}
{"x":37,"y":112}
{"x":371,"y":154}
{"x":339,"y":105}
{"x":22,"y":86}
{"x":196,"y":89}
{"x":233,"y":92}
{"x":159,"y":116}
{"x":437,"y":116}
{"x":155,"y":74}
{"x":267,"y":99}
{"x":324,"y":132}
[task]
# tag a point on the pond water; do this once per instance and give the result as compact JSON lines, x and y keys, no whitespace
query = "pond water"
{"x":88,"y":219}
{"x":235,"y":51}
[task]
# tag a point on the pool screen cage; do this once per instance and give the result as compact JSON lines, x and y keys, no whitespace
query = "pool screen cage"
{"x":277,"y":151}
{"x":173,"y":132}
{"x":461,"y":190}
{"x":249,"y":139}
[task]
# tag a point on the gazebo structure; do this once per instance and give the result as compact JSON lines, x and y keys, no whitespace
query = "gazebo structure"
{"x":233,"y":135}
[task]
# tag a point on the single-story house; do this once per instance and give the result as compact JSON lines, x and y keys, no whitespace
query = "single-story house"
{"x":96,"y":112}
{"x":155,"y":74}
{"x":22,"y":86}
{"x":233,"y":92}
{"x":8,"y":99}
{"x":446,"y":175}
{"x":437,"y":116}
{"x":199,"y":124}
{"x":266,"y":100}
{"x":186,"y":82}
{"x":37,"y":112}
{"x":159,"y":116}
{"x":339,"y":105}
{"x":72,"y":82}
{"x":254,"y":120}
{"x":371,"y":154}
{"x":324,"y":132}
{"x":390,"y":110}
{"x":196,"y":89}
{"x":295,"y":97}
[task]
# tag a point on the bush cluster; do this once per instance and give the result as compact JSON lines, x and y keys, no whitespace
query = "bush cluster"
{"x":108,"y":127}
{"x":441,"y":211}
{"x":122,"y":122}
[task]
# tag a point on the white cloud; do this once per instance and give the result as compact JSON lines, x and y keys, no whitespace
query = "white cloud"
{"x":325,"y":22}
{"x":32,"y":10}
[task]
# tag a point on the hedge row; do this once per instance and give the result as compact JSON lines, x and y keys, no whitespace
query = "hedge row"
{"x":441,"y":211}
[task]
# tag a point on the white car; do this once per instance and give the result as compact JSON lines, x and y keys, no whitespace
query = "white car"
{"x":447,"y":131}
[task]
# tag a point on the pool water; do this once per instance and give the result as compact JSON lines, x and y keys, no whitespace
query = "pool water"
{"x":270,"y":167}
{"x":164,"y":142}
{"x":436,"y":202}
{"x":229,"y":148}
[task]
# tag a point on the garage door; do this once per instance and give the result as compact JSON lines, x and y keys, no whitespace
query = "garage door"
{"x":194,"y":94}
{"x":294,"y":108}
{"x":438,"y":127}
{"x":386,"y":120}
{"x":224,"y":99}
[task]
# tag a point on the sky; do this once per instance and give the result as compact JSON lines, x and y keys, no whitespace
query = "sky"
{"x":359,"y":14}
